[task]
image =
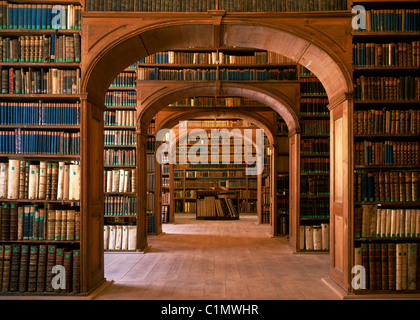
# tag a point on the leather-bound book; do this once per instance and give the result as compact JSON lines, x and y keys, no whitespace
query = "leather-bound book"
{"x":54,"y":181}
{"x":13,"y":222}
{"x":1,"y":263}
{"x":59,"y":261}
{"x":48,"y":182}
{"x":77,"y":226}
{"x":32,"y":269}
{"x":14,"y":268}
{"x":7,"y":260}
{"x":51,"y":217}
{"x":418,"y":266}
{"x":23,"y":268}
{"x":58,"y":222}
{"x":50,"y":264}
{"x":132,"y":237}
{"x":74,"y":190}
{"x":41,"y":224}
{"x":33,"y":181}
{"x":13,"y":179}
{"x":27,"y":168}
{"x":372,"y":267}
{"x":392,"y":271}
{"x":22,"y":180}
{"x":20,"y":222}
{"x":309,"y":239}
{"x":365,"y":263}
{"x":60,"y":187}
{"x":384,"y":266}
{"x":366,"y":221}
{"x":66,"y":183}
{"x":67,"y":263}
{"x":42,"y":190}
{"x":42,"y":268}
{"x":325,"y":236}
{"x":63,"y":232}
{"x":70,"y":224}
{"x":412,"y":266}
{"x":378,"y":266}
{"x":76,"y":272}
{"x":404,"y":267}
{"x":399,"y":266}
{"x":5,"y":222}
{"x":4,"y":174}
{"x":358,"y":218}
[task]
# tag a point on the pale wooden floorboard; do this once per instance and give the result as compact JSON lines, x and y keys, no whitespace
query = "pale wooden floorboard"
{"x":195,"y":260}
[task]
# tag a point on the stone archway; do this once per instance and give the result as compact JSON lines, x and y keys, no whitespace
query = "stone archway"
{"x":322,"y":44}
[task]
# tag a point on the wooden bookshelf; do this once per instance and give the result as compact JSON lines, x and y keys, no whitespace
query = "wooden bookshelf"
{"x":120,"y":206}
{"x":36,"y":109}
{"x":369,"y":152}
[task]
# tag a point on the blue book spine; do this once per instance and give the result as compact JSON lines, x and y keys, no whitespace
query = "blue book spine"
{"x":20,"y":17}
{"x":38,"y":17}
{"x":33,"y":17}
{"x":43,"y":18}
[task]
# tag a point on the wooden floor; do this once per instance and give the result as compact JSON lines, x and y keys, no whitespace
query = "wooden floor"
{"x":196,"y":260}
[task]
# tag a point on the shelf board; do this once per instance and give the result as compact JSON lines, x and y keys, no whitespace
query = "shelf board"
{"x":61,"y":65}
{"x":43,"y":156}
{"x":384,"y":34}
{"x":387,"y":239}
{"x":121,"y":193}
{"x":49,"y":127}
{"x":120,"y":146}
{"x":218,"y":65}
{"x":326,"y":196}
{"x":58,"y":242}
{"x":386,"y":68}
{"x":119,"y":166}
{"x":122,"y":88}
{"x":313,"y":174}
{"x":119,"y":216}
{"x":56,"y":97}
{"x":388,"y":167}
{"x":33,"y":32}
{"x":121,"y":127}
{"x":387,"y":135}
{"x":121,"y":107}
{"x":70,"y":202}
{"x":315,"y":155}
{"x":390,"y":203}
{"x":307,"y":219}
{"x":408,"y":102}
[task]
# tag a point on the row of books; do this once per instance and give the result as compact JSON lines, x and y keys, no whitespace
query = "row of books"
{"x":41,"y":48}
{"x":150,"y":218}
{"x":216,"y":206}
{"x":211,"y":74}
{"x":282,"y":126}
{"x":386,"y":121}
{"x":219,"y":123}
{"x":316,"y":237}
{"x":39,"y":81}
{"x":215,"y":174}
{"x":40,"y":16}
{"x":311,"y":86}
{"x":20,"y":179}
{"x":165,"y":182}
{"x":386,"y":54}
{"x":120,"y":118}
{"x":165,"y":170}
{"x":121,"y":98}
{"x":314,"y":106}
{"x":166,"y":198}
{"x":398,"y":186}
{"x":152,"y":127}
{"x":282,"y":183}
{"x":249,"y":206}
{"x":120,"y":206}
{"x":151,"y":163}
{"x":124,"y":79}
{"x":315,"y":185}
{"x":314,"y":165}
{"x":122,"y":180}
{"x":314,"y":209}
{"x":210,"y":166}
{"x":187,"y":194}
{"x":315,"y":127}
{"x":265,"y":214}
{"x":390,"y":20}
{"x":29,"y":268}
{"x":282,"y":225}
{"x":165,"y":214}
{"x":150,"y":181}
{"x":386,"y":153}
{"x":387,"y":88}
{"x":150,"y":200}
{"x":315,"y":146}
{"x":217,"y":102}
{"x":21,"y":141}
{"x":371,"y":221}
{"x":120,"y":237}
{"x":120,"y":157}
{"x":119,"y":137}
{"x":40,"y":113}
{"x":186,"y":207}
{"x":178,"y":57}
{"x":205,"y":5}
{"x":30,"y":222}
{"x":388,"y":266}
{"x":150,"y":144}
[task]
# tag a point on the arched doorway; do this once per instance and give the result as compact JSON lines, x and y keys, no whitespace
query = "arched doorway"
{"x":111,"y":45}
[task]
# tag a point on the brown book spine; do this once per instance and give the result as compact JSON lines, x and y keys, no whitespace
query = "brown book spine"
{"x":7,"y":260}
{"x":32,"y":269}
{"x":67,"y":263}
{"x":14,"y":267}
{"x":41,"y":268}
{"x":59,"y":261}
{"x":23,"y":268}
{"x":13,"y":222}
{"x":76,"y":272}
{"x":50,"y":264}
{"x":365,"y":263}
{"x":1,"y":263}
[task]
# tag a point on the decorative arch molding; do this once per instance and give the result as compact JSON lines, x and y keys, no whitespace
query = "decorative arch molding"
{"x":281,"y":99}
{"x":319,"y":41}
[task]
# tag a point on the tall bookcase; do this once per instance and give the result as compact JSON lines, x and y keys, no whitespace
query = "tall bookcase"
{"x":386,"y":131}
{"x":40,"y":143}
{"x":282,"y":158}
{"x":120,"y":163}
{"x":314,"y":165}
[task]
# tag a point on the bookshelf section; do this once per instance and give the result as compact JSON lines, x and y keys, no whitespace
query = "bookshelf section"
{"x":314,"y":193}
{"x":120,"y":173}
{"x":386,"y":132}
{"x":40,"y":148}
